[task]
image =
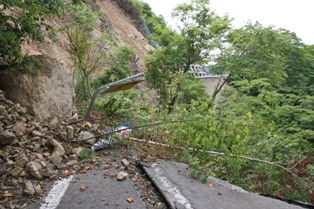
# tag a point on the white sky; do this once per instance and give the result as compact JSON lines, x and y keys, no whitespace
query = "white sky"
{"x":296,"y":16}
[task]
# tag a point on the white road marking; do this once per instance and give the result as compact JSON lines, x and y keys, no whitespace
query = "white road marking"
{"x":56,"y":193}
{"x":172,"y":189}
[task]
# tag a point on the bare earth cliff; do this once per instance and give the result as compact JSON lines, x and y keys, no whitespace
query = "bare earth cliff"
{"x":51,"y":93}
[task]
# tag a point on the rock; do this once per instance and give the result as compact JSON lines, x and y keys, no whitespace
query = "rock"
{"x":56,"y":156}
{"x":49,"y":94}
{"x":19,"y":134}
{"x":33,"y":168}
{"x":21,"y":110}
{"x":29,"y":188}
{"x":15,"y":141}
{"x":9,"y":164}
{"x":77,"y":150}
{"x":42,"y":142}
{"x":22,"y":161}
{"x":7,"y":148}
{"x":53,"y":124}
{"x":87,"y":135}
{"x":73,"y":119}
{"x":2,"y":109}
{"x":54,"y":177}
{"x":122,"y":175}
{"x":23,"y":174}
{"x":88,"y":125}
{"x":73,"y":157}
{"x":36,"y":147}
{"x":48,"y":172}
{"x":36,"y":133}
{"x":43,"y":164}
{"x":38,"y":156}
{"x":16,"y":171}
{"x":6,"y":137}
{"x":46,"y":154}
{"x":50,"y":166}
{"x":72,"y":163}
{"x":44,"y":130}
{"x":70,"y":132}
{"x":2,"y":168}
{"x":38,"y":190}
{"x":19,"y":127}
{"x":15,"y":182}
{"x":125,"y":163}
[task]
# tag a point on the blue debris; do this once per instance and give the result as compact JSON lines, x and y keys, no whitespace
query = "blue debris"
{"x":125,"y":132}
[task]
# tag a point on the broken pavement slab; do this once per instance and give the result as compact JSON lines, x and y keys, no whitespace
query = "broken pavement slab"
{"x":174,"y":182}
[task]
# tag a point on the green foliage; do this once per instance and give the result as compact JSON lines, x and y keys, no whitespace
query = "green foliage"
{"x":266,"y":114}
{"x":85,"y":154}
{"x":31,"y":63}
{"x":87,"y":53}
{"x":191,"y":89}
{"x":119,"y":67}
{"x":203,"y":31}
{"x":300,"y":70}
{"x":271,"y":74}
{"x":116,"y":104}
{"x":154,"y":23}
{"x":133,"y":7}
{"x":20,"y":21}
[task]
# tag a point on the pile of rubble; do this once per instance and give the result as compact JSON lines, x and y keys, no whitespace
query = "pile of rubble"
{"x":32,"y":149}
{"x":34,"y":152}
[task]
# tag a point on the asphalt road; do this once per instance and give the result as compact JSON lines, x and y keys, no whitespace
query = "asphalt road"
{"x":180,"y":191}
{"x":99,"y":188}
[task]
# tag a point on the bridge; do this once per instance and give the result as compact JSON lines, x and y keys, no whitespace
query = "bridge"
{"x":210,"y":81}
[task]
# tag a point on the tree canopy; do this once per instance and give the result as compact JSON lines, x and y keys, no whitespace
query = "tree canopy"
{"x":19,"y":21}
{"x":201,"y":32}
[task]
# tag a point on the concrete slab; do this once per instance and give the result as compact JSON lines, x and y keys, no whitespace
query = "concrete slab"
{"x":174,"y":182}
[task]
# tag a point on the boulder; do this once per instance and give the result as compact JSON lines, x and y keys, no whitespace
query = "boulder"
{"x":47,"y":93}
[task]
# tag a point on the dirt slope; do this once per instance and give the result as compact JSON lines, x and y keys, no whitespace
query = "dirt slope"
{"x":124,"y":29}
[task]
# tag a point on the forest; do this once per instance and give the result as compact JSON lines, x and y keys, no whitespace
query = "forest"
{"x":259,"y":134}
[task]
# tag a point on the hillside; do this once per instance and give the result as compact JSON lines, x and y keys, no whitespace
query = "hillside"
{"x":38,"y":93}
{"x":114,"y":17}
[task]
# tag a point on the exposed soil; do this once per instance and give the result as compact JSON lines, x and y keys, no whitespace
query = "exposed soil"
{"x":124,"y":28}
{"x":120,"y":22}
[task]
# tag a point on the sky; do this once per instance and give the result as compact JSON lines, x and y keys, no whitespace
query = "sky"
{"x":295,"y":16}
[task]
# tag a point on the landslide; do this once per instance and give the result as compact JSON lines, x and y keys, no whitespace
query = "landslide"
{"x":114,"y":18}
